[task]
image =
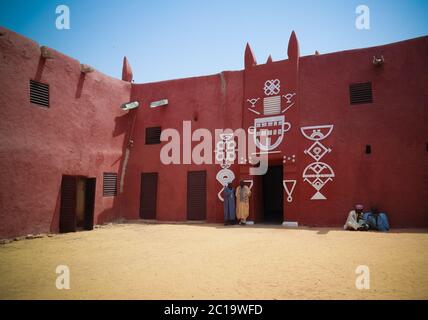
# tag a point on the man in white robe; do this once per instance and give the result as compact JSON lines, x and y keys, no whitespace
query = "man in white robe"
{"x":355,"y":219}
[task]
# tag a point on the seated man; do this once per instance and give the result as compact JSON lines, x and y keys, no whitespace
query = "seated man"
{"x":371,"y":218}
{"x":382,"y":221}
{"x":355,"y":220}
{"x":376,"y":220}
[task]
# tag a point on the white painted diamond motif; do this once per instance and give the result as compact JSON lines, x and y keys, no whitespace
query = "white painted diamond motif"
{"x":317,"y":151}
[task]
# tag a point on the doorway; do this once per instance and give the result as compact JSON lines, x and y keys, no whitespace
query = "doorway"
{"x":77,"y":203}
{"x":273,"y":195}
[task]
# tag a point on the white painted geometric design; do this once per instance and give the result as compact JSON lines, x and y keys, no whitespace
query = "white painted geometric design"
{"x":289,"y":96}
{"x":272,"y":87}
{"x":316,"y":133}
{"x":225,"y":153}
{"x":317,"y":150}
{"x":269,"y":127}
{"x":224,"y":176}
{"x":253,"y":111}
{"x":317,"y":173}
{"x":289,"y":189}
{"x":253,"y":102}
{"x":290,"y":103}
{"x":272,"y":105}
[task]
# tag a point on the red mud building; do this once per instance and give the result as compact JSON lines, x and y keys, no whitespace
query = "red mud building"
{"x":343,"y":127}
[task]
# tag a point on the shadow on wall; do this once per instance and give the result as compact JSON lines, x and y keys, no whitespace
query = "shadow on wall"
{"x":107,"y":209}
{"x":40,"y":68}
{"x":80,"y":83}
{"x":123,"y":124}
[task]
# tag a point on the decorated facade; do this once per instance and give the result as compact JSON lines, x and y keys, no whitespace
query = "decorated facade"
{"x":79,"y":148}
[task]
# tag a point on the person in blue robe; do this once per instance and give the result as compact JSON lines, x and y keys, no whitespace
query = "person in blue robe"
{"x":229,"y":205}
{"x":377,"y":220}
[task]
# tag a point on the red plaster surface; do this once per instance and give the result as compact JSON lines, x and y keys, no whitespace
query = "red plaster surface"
{"x":80,"y":134}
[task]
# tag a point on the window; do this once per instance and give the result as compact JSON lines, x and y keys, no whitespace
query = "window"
{"x":153,"y":135}
{"x":39,"y":93}
{"x":109,"y":184}
{"x":360,"y":93}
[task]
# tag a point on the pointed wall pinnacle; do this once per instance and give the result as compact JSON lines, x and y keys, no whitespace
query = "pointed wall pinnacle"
{"x":269,"y":59}
{"x":250,"y":59}
{"x":293,"y":48}
{"x":126,"y":70}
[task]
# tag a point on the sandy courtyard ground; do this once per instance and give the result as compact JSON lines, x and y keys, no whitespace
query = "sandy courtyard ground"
{"x":179,"y":261}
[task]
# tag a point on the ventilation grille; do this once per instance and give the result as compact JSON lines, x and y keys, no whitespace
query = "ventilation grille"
{"x":109,"y":184}
{"x":39,"y":93}
{"x":360,"y":93}
{"x":153,"y":135}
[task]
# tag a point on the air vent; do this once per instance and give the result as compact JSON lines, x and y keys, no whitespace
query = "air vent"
{"x":109,"y":184}
{"x":360,"y":93}
{"x":39,"y":93}
{"x":368,"y":149}
{"x":153,"y":135}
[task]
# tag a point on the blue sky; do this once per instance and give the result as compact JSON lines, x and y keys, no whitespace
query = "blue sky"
{"x":168,"y":39}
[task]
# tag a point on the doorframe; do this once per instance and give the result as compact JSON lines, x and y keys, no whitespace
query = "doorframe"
{"x":89,"y":207}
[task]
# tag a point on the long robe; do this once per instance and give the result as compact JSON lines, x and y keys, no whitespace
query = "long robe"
{"x":229,"y":204}
{"x":353,"y":223}
{"x":243,"y":205}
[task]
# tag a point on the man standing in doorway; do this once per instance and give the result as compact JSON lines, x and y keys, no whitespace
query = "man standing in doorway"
{"x":243,"y":194}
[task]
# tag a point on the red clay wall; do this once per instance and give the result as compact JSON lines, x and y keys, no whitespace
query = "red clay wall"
{"x":209,"y":102}
{"x":80,"y":134}
{"x":395,"y":175}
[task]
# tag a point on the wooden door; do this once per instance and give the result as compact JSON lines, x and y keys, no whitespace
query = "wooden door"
{"x":148,"y":195}
{"x":196,"y":195}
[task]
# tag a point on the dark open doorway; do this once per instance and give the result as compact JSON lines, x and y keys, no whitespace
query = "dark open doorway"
{"x":273,"y":204}
{"x":77,"y":203}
